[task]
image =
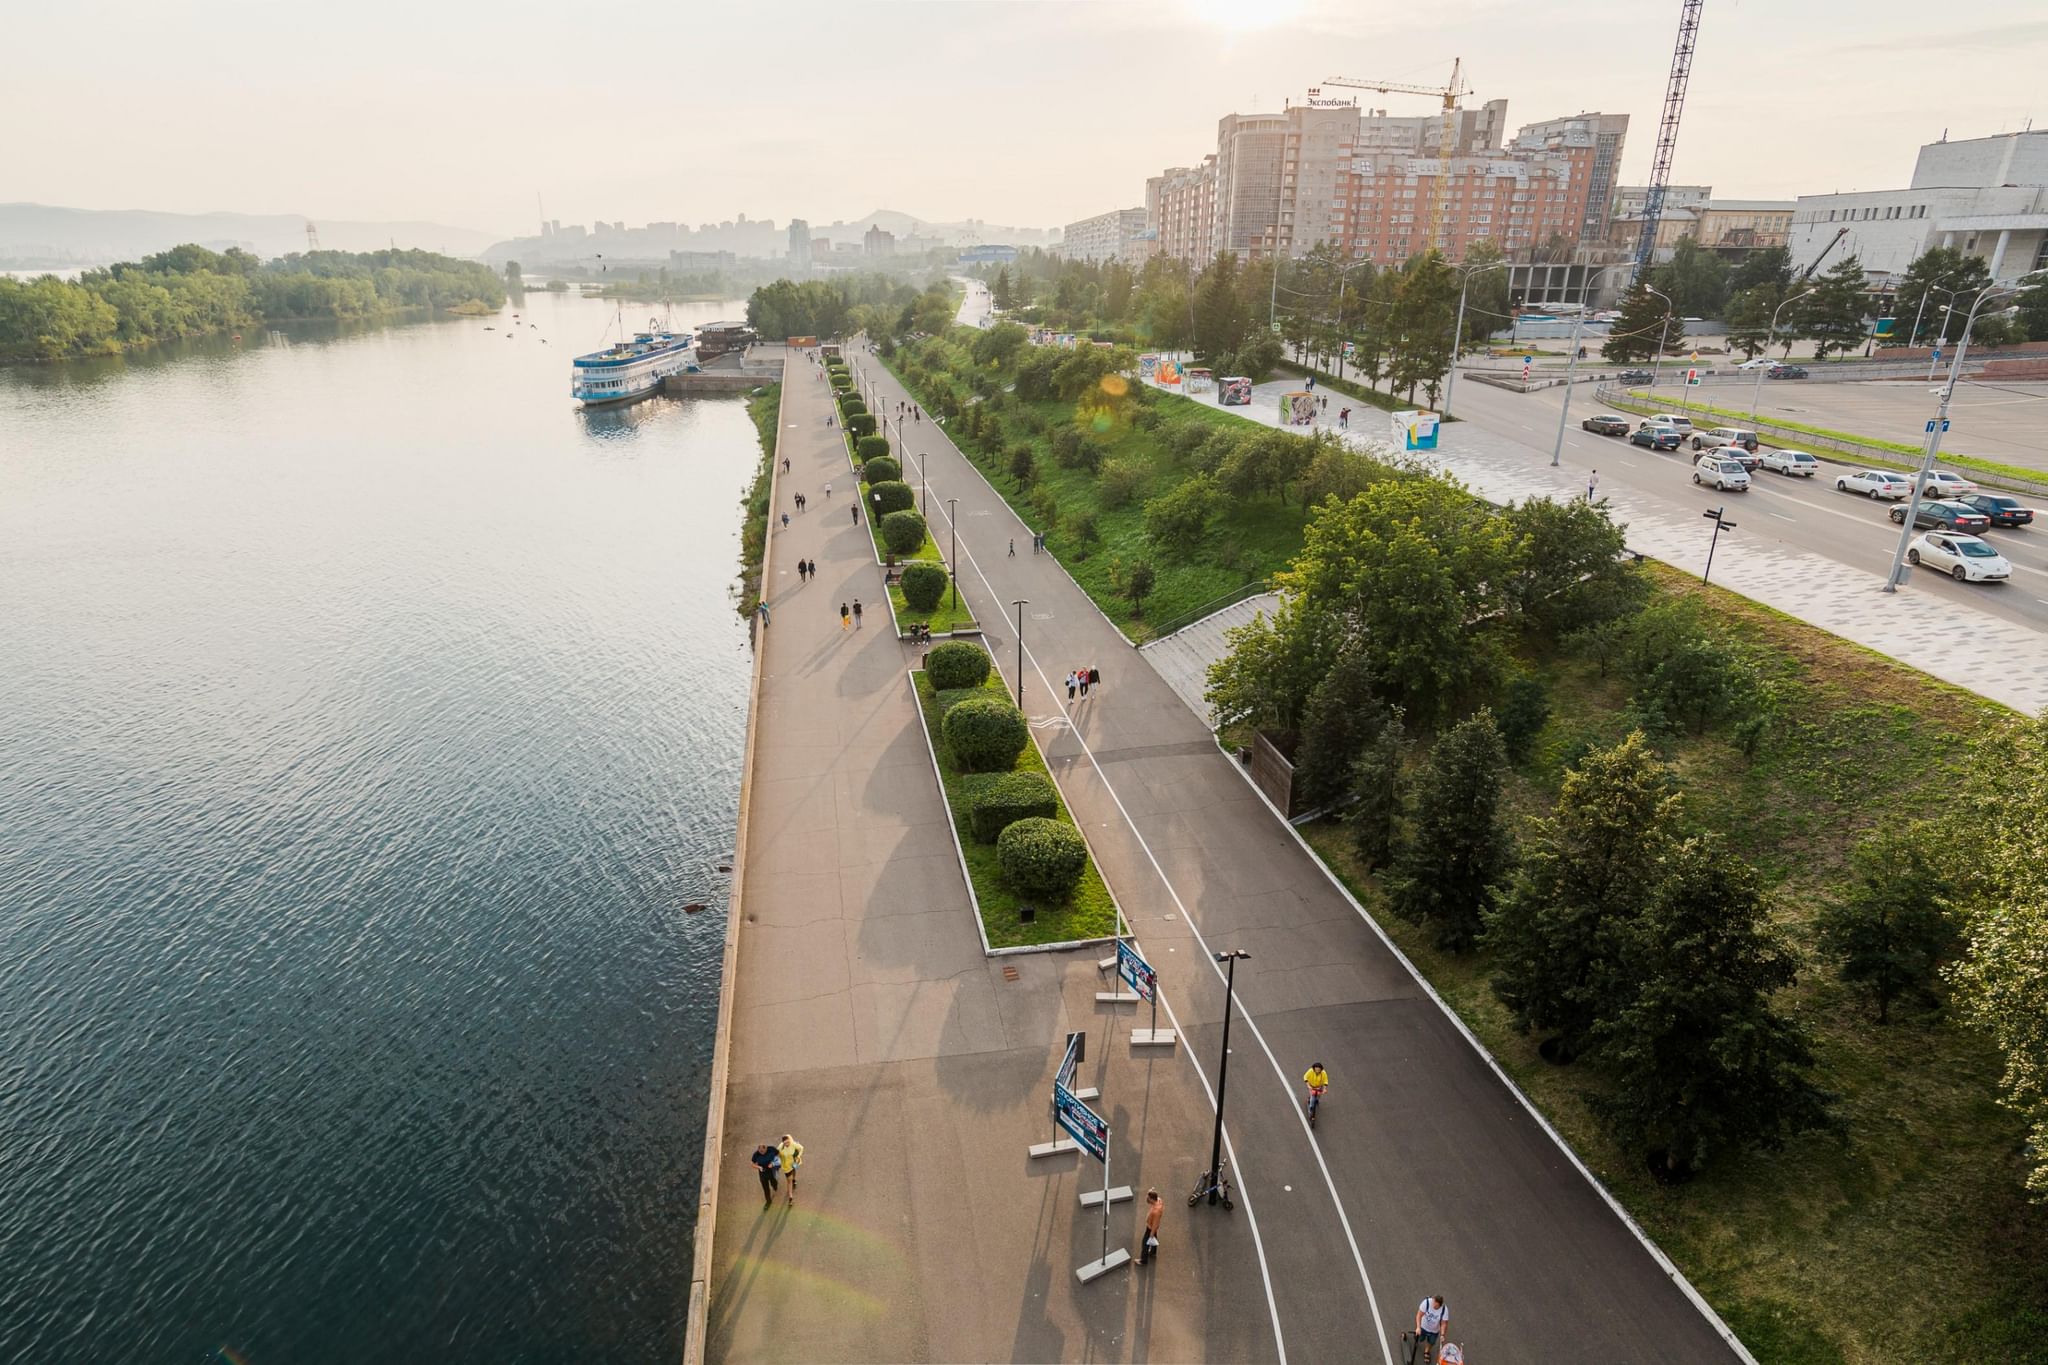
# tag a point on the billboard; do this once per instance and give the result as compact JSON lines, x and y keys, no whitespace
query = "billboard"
{"x":1136,"y":970}
{"x":1083,"y":1124}
{"x":1297,"y":408}
{"x":1234,"y":392}
{"x":1415,"y":429}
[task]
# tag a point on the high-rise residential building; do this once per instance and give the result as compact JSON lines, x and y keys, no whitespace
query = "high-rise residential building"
{"x":1108,"y":236}
{"x":878,"y":241}
{"x":1630,"y":199}
{"x":1609,"y":131}
{"x":799,"y":244}
{"x":1250,"y":150}
{"x":1186,"y":216}
{"x":1472,"y":130}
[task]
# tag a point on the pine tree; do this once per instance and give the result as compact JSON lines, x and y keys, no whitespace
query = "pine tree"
{"x":1749,"y":320}
{"x":1832,"y":316}
{"x":1446,"y":872}
{"x":1379,"y":797}
{"x":1640,"y":330}
{"x":1891,"y":932}
{"x":1342,"y":716}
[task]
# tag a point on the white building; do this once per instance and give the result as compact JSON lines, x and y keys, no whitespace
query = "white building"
{"x":1111,"y":236}
{"x":1987,"y":196}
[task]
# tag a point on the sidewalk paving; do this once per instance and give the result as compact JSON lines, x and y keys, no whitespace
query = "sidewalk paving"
{"x":867,"y":1022}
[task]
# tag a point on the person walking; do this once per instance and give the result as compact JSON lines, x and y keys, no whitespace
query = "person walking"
{"x":1013,"y":547}
{"x":1095,"y":677}
{"x":785,"y":464}
{"x":1083,"y":674}
{"x":1072,"y":682}
{"x":828,"y":492}
{"x":761,"y":610}
{"x":799,"y":502}
{"x":845,"y":617}
{"x":792,"y":1153}
{"x":1592,"y":482}
{"x":855,"y":509}
{"x":803,"y":571}
{"x":856,"y":612}
{"x":1430,"y":1316}
{"x":785,"y":521}
{"x":769,"y":1163}
{"x":1155,"y":1209}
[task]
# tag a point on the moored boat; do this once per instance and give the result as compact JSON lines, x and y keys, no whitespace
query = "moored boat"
{"x":632,"y":368}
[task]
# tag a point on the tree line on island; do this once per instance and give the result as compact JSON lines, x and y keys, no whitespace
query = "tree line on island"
{"x":191,"y":291}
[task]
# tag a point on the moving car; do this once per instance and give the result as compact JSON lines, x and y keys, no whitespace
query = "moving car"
{"x":1748,"y":459}
{"x":1795,"y":462}
{"x":1878,"y":483}
{"x":1672,"y":419}
{"x":1966,"y":559}
{"x":1724,"y":436}
{"x":1950,"y":516}
{"x":1785,"y":372}
{"x":1721,"y":471}
{"x":1656,"y":437}
{"x":1638,"y":377}
{"x":2002,"y":510}
{"x":1606,"y":424}
{"x":1760,"y":363}
{"x":1942,"y":484}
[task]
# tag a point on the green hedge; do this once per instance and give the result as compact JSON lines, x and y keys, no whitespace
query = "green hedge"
{"x":903,"y":532}
{"x":955,"y":666}
{"x":852,"y":404}
{"x":923,"y":585}
{"x":985,"y":734}
{"x":888,"y":495}
{"x":860,"y":424}
{"x":1042,"y":857}
{"x":869,"y":449}
{"x":998,"y":800}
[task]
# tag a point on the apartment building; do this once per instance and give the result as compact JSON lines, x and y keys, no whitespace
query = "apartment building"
{"x":1181,"y":210}
{"x":1111,"y":236}
{"x":1610,"y":132}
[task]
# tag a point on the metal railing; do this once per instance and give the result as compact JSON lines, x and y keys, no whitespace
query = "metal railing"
{"x":1187,"y":618}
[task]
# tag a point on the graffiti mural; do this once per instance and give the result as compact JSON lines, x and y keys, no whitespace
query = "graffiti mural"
{"x":1297,"y":409}
{"x":1234,"y":392}
{"x":1198,"y":381}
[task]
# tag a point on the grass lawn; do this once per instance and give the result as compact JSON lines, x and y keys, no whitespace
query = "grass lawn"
{"x":764,"y":408}
{"x":1087,"y":913}
{"x":1912,"y":1241}
{"x":950,"y":614}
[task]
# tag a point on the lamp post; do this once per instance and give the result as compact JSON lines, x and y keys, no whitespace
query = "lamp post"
{"x":922,"y":509}
{"x":1020,"y":604}
{"x":1458,"y":331}
{"x":1721,"y":524}
{"x":1757,"y":397}
{"x":1229,"y":961}
{"x":1355,"y":265}
{"x":1571,"y":366}
{"x":1663,"y":333}
{"x":1947,"y":311}
{"x":953,"y":560}
{"x":1934,"y":432}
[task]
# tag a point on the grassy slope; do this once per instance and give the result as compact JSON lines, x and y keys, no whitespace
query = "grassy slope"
{"x":1088,"y":912}
{"x":763,"y":407}
{"x":1881,"y":1249}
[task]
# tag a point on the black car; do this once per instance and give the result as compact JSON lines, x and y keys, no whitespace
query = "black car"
{"x":1785,"y":372}
{"x":2002,"y":511}
{"x":1950,"y":516}
{"x":1606,"y":424}
{"x":1655,"y":437}
{"x":1638,"y":377}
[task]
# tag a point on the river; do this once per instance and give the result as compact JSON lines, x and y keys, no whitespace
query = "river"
{"x":368,"y":717}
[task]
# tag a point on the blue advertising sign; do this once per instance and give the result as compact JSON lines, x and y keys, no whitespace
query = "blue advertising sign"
{"x":1065,"y":1075}
{"x":1083,"y":1124}
{"x":1136,"y":970}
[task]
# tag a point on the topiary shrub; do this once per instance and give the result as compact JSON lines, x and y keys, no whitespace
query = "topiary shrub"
{"x":1041,"y":857}
{"x":985,"y":734}
{"x":995,"y":801}
{"x":851,"y":403}
{"x":889,"y":495}
{"x":859,"y":425}
{"x":879,"y":468}
{"x":872,"y":448}
{"x":841,"y":380}
{"x":923,"y":585}
{"x":950,"y":697}
{"x":903,"y":532}
{"x":957,"y":664}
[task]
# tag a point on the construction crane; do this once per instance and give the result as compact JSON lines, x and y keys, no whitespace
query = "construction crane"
{"x":1833,"y":242}
{"x":1447,"y":145}
{"x":312,"y":238}
{"x":1667,"y":135}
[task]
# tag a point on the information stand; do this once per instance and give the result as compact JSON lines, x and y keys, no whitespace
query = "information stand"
{"x":1145,"y":981}
{"x":1092,"y":1134}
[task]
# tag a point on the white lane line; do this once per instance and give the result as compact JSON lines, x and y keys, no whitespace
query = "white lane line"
{"x":1287,"y":1086}
{"x":1782,"y":517}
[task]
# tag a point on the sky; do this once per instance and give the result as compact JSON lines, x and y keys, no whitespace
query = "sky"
{"x":1030,"y":114}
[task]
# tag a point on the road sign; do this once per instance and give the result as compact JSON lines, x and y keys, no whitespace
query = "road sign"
{"x":1692,"y":376}
{"x":1937,"y":353}
{"x":1136,"y":970}
{"x":1083,"y":1123}
{"x":1930,"y":425}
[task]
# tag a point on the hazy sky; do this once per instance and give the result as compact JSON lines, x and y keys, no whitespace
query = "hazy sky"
{"x":459,"y":111}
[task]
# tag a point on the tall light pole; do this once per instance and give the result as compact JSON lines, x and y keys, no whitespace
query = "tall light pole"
{"x":1458,"y":332}
{"x":1933,"y":287}
{"x":1571,"y":366}
{"x":1229,"y":961}
{"x":953,"y":561}
{"x":1756,"y":398}
{"x":1663,"y":333}
{"x":922,"y":509}
{"x":1948,"y":311}
{"x":1934,"y":432}
{"x":1355,"y":265}
{"x":1020,"y":604}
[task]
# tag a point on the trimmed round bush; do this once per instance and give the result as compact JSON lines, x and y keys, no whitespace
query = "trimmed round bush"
{"x":923,"y":585}
{"x":842,"y":381}
{"x":1041,"y":857}
{"x":957,"y":664}
{"x":874,"y":448}
{"x":903,"y":532}
{"x":860,"y":424}
{"x":888,"y":495}
{"x":985,"y":734}
{"x":851,"y":403}
{"x":995,"y":801}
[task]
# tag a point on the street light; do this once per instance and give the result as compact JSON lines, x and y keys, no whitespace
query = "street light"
{"x":1663,"y":332}
{"x":921,"y":508}
{"x":1458,"y":332}
{"x":1230,"y":960}
{"x":1571,"y":366}
{"x":1756,"y":398}
{"x":953,"y":561}
{"x":1020,"y":604}
{"x":1947,"y":311}
{"x":1355,"y":265}
{"x":1935,"y":428}
{"x":1721,"y":524}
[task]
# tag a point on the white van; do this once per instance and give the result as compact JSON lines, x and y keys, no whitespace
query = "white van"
{"x":1667,"y":419}
{"x":1721,"y":471}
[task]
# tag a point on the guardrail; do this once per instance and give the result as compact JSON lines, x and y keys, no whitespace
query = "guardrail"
{"x":1209,"y":608}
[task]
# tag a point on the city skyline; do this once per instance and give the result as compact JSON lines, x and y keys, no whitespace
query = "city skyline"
{"x":1782,"y":103}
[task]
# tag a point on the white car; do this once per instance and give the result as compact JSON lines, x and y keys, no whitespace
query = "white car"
{"x":1877,"y":483}
{"x":1794,"y":462}
{"x":1722,"y":471}
{"x":1666,"y":419}
{"x":1966,"y":559}
{"x":1942,"y":484}
{"x":1762,"y":362}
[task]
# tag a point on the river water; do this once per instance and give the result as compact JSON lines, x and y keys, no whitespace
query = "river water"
{"x":368,"y":715}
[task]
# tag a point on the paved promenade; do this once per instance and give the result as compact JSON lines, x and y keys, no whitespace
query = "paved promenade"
{"x":1427,"y":1174}
{"x":867,"y":1021}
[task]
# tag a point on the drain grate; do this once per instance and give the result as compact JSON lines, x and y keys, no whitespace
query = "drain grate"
{"x":1009,"y":972}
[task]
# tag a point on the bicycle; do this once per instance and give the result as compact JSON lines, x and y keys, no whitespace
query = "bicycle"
{"x":1315,"y":1102}
{"x":1219,"y":1184}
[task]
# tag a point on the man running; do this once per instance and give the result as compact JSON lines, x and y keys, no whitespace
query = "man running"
{"x":792,"y":1153}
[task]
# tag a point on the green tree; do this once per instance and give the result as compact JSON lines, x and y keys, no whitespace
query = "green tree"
{"x":1698,"y":1060}
{"x":2033,"y":308}
{"x":1000,"y":294}
{"x":1379,"y":796}
{"x":1832,"y":316}
{"x":1488,"y":300}
{"x":1445,"y":873}
{"x":1524,"y":711}
{"x":1749,"y":320}
{"x":1425,"y":311}
{"x":1340,"y":718}
{"x":1891,"y":932}
{"x":1219,"y":313}
{"x":1937,"y":277}
{"x":513,"y":279}
{"x":1138,"y":581}
{"x":1587,"y":870}
{"x":1570,"y":566}
{"x":1177,"y":519}
{"x":1264,"y":678}
{"x":1765,"y":266}
{"x":999,"y":345}
{"x":1695,"y":278}
{"x":1637,"y":333}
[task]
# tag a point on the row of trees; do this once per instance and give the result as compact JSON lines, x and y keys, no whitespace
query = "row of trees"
{"x":880,"y":305}
{"x":191,"y":291}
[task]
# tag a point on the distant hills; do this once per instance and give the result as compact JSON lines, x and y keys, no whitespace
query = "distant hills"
{"x":44,"y":237}
{"x":575,"y":244}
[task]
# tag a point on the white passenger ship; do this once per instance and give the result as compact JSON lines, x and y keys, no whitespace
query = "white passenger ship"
{"x":633,"y":369}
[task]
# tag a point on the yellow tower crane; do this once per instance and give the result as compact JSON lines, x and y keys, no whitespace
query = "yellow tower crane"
{"x":1447,"y":145}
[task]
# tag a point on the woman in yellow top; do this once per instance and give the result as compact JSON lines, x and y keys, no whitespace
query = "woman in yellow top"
{"x":1317,"y":1080}
{"x":792,"y":1153}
